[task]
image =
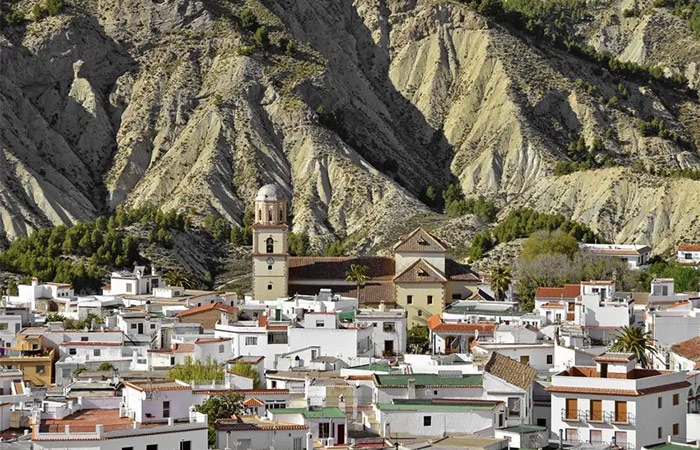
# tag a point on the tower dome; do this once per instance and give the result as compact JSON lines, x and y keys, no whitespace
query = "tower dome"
{"x":269,"y":193}
{"x":270,"y":206}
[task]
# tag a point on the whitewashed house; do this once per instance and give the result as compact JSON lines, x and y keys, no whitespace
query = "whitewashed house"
{"x":136,"y":282}
{"x":260,"y":433}
{"x":456,"y":337}
{"x":388,"y":329}
{"x":616,"y":402}
{"x":636,"y":256}
{"x":688,"y":254}
{"x":328,"y":426}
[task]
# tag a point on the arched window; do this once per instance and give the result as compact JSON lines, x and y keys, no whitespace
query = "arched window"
{"x":269,"y":215}
{"x":270,"y":244}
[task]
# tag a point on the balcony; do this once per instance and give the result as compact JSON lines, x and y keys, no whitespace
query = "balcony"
{"x":610,"y":417}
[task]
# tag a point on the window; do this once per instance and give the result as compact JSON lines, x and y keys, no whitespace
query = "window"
{"x":676,"y":429}
{"x":3,"y":326}
{"x":251,"y":340}
{"x":389,"y":327}
{"x":128,"y":289}
{"x":513,"y":406}
{"x":324,"y":430}
{"x":320,"y":324}
{"x":72,"y":351}
{"x":621,"y":438}
{"x":427,"y":421}
{"x":430,"y":299}
{"x":549,"y":359}
{"x":456,"y":296}
{"x":676,"y":399}
{"x":152,"y":447}
{"x":571,"y":408}
{"x":500,"y":420}
{"x":572,"y":434}
{"x":297,"y":444}
{"x":133,"y":326}
{"x":127,"y":448}
{"x":269,"y":287}
{"x":40,"y":369}
{"x":688,"y":256}
{"x":84,"y":338}
{"x":166,"y":409}
{"x":172,"y":360}
{"x":659,"y":432}
{"x":270,"y":245}
{"x":541,"y":422}
{"x":597,"y":410}
{"x":420,"y":313}
{"x":221,"y":348}
{"x":153,"y":326}
{"x":269,"y":267}
{"x":186,"y":445}
{"x":621,"y":412}
{"x":409,"y":299}
{"x":659,"y":402}
{"x":96,"y":352}
{"x":525,"y":359}
{"x":596,"y":436}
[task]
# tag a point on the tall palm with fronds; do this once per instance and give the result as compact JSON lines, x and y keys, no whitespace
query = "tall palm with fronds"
{"x":179,"y":278}
{"x":358,"y":275}
{"x":636,"y":341}
{"x":500,"y":281}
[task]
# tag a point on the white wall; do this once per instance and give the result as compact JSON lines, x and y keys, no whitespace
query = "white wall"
{"x":441,"y":422}
{"x":261,"y":440}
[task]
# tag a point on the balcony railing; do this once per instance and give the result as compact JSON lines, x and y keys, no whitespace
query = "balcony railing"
{"x":621,"y":445}
{"x":582,"y":415}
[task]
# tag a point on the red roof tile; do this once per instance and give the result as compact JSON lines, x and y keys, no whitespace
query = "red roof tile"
{"x":336,"y":268}
{"x":209,"y":306}
{"x":436,"y":325}
{"x":689,"y":349}
{"x":689,"y":248}
{"x":421,"y":271}
{"x":420,"y":241}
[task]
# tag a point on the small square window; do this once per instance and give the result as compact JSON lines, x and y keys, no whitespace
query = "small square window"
{"x":269,"y":267}
{"x":40,"y":369}
{"x":427,"y":421}
{"x":72,"y":351}
{"x":97,"y":352}
{"x":269,"y":287}
{"x":84,"y":338}
{"x":221,"y":348}
{"x":153,"y":326}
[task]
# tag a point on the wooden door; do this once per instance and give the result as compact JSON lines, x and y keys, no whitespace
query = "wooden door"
{"x":620,"y":411}
{"x":597,"y":410}
{"x":341,"y":434}
{"x":571,"y":408}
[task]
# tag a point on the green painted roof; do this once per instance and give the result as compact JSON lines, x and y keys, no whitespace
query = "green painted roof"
{"x":432,"y":407}
{"x":373,"y":367}
{"x":347,"y":315}
{"x":426,"y":379}
{"x":669,"y":446}
{"x":315,"y":413}
{"x":462,"y":309}
{"x":523,"y":429}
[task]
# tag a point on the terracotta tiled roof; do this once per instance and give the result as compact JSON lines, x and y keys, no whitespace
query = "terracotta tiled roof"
{"x":689,"y":349}
{"x":158,"y":386}
{"x":689,"y":248}
{"x":511,"y":371}
{"x":609,"y":357}
{"x":677,"y":304}
{"x":552,"y":306}
{"x":253,"y":402}
{"x":420,"y":241}
{"x":336,"y":268}
{"x":569,"y":291}
{"x":460,"y":272}
{"x":210,"y":340}
{"x":208,"y":307}
{"x":178,"y":348}
{"x":436,"y":325}
{"x":251,"y":423}
{"x":420,"y":271}
{"x":371,"y":293}
{"x":620,"y":392}
{"x":599,"y":282}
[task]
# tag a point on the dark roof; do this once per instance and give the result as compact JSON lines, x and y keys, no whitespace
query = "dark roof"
{"x":371,"y":293}
{"x":460,"y":272}
{"x":420,"y":241}
{"x":336,"y":268}
{"x":420,"y":272}
{"x":511,"y":371}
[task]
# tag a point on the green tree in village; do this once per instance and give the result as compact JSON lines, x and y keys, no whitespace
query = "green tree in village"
{"x":636,"y":341}
{"x":500,"y":281}
{"x":196,"y":371}
{"x":418,"y":339}
{"x":179,"y":278}
{"x":247,"y":370}
{"x":357,"y":274}
{"x":221,"y":406}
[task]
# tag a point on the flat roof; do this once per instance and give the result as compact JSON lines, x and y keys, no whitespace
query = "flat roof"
{"x":433,"y":380}
{"x":447,"y":407}
{"x":332,"y":413}
{"x":522,"y":429}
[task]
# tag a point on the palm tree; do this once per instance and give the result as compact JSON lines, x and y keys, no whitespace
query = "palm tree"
{"x":179,"y":278}
{"x":500,"y":281}
{"x":358,"y":275}
{"x":636,"y":341}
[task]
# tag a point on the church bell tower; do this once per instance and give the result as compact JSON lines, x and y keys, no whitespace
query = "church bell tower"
{"x":270,"y":271}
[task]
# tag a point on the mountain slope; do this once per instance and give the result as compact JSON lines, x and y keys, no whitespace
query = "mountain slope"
{"x":170,"y":104}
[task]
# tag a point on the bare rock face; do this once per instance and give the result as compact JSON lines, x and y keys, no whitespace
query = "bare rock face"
{"x":137,"y":102}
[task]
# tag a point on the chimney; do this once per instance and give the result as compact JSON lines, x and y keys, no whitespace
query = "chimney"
{"x":382,"y":306}
{"x":411,"y":394}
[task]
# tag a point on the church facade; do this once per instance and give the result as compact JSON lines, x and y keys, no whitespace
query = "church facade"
{"x":418,"y":277}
